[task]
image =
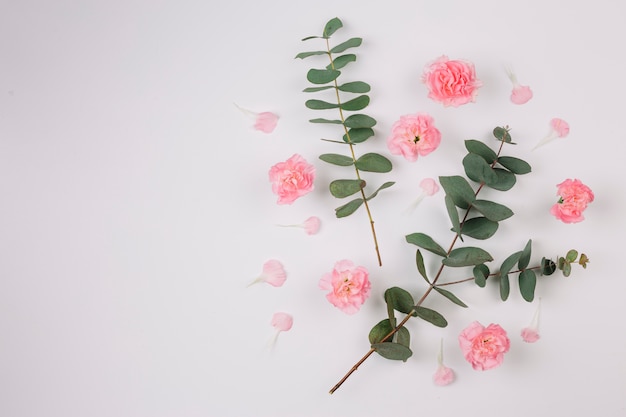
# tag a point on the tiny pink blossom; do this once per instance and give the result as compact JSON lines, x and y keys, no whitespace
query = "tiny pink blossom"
{"x":443,"y":375}
{"x":292,"y":179}
{"x":559,"y":128}
{"x":282,"y":321}
{"x":348,"y":286}
{"x":413,"y":135}
{"x":482,"y":347}
{"x":520,"y":93}
{"x":311,"y":225}
{"x":265,"y":121}
{"x":530,"y":334}
{"x":574,"y":196}
{"x":451,"y":82}
{"x":273,"y":274}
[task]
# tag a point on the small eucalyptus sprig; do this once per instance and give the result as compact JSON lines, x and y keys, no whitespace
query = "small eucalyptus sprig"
{"x":479,"y":219}
{"x":357,"y":127}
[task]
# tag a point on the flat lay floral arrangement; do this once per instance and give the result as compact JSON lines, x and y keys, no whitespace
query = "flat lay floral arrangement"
{"x":489,"y":164}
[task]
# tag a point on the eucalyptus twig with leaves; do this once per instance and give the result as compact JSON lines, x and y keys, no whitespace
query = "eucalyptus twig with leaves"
{"x":480,"y":221}
{"x":357,"y":127}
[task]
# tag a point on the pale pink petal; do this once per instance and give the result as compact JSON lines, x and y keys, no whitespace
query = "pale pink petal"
{"x":521,"y":94}
{"x":266,"y":122}
{"x":273,"y":274}
{"x":530,"y":334}
{"x":312,"y":225}
{"x":429,"y":186}
{"x":560,"y":126}
{"x":282,"y":321}
{"x":443,"y":376}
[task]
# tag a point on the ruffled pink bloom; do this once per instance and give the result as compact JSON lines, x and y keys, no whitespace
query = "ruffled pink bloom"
{"x":574,"y":196}
{"x":443,"y":375}
{"x":265,"y":121}
{"x":348,"y":286}
{"x":413,"y":135}
{"x":451,"y":82}
{"x":311,"y":225}
{"x":273,"y":274}
{"x":292,"y":179}
{"x":520,"y":93}
{"x":482,"y":347}
{"x":559,"y":128}
{"x":530,"y":334}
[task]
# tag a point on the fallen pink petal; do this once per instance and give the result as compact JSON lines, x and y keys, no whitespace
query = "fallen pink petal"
{"x":311,"y":225}
{"x":443,"y":375}
{"x":530,"y":334}
{"x":282,"y":321}
{"x":264,"y":121}
{"x":429,"y":186}
{"x":559,"y":128}
{"x":273,"y":274}
{"x":520,"y":94}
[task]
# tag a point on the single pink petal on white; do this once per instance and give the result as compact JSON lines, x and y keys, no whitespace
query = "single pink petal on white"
{"x":559,"y":128}
{"x":282,"y":322}
{"x":443,"y":375}
{"x":521,"y":93}
{"x":429,"y":187}
{"x":311,"y":225}
{"x":273,"y":274}
{"x":265,"y":121}
{"x":530,"y":334}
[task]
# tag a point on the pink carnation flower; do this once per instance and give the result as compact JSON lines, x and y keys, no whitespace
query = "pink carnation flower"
{"x":574,"y":196}
{"x":413,"y":135}
{"x":451,"y":82}
{"x":292,"y":179}
{"x":348,"y":286}
{"x":484,"y":347}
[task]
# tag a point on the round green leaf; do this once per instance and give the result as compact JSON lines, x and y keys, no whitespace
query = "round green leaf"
{"x":459,"y":190}
{"x":493,"y":211}
{"x":467,"y":256}
{"x":505,"y":180}
{"x":478,"y":147}
{"x":322,"y":76}
{"x":320,"y":105}
{"x":348,"y":208}
{"x":479,"y":228}
{"x":477,"y":169}
{"x":358,"y":87}
{"x":358,"y":135}
{"x":502,"y":134}
{"x":394,"y":351}
{"x":359,"y":121}
{"x":515,"y":165}
{"x":380,"y":331}
{"x":373,"y":162}
{"x":547,"y":266}
{"x":350,"y":43}
{"x":345,"y":188}
{"x":341,"y":61}
{"x":331,"y":27}
{"x":336,"y":159}
{"x":355,"y":104}
{"x":401,"y":300}
{"x":480,"y":272}
{"x":527,"y":283}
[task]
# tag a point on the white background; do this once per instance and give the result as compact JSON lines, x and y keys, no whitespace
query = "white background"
{"x":135,"y":208}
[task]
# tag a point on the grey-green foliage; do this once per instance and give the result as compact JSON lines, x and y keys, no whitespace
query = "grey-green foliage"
{"x":344,"y":98}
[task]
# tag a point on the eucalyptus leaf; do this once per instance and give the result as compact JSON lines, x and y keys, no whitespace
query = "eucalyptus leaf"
{"x":322,"y":76}
{"x":303,"y":55}
{"x":426,"y":242}
{"x":571,"y":255}
{"x":345,"y":188}
{"x":493,"y":211}
{"x":419,"y":261}
{"x":329,"y":121}
{"x":547,"y":266}
{"x":358,"y":87}
{"x":527,"y":283}
{"x":509,"y":262}
{"x":480,"y":272}
{"x":337,"y":159}
{"x":331,"y":27}
{"x":403,"y":337}
{"x":320,"y":105}
{"x":380,"y":331}
{"x":478,"y":147}
{"x":515,"y":165}
{"x":505,"y":287}
{"x":450,"y":296}
{"x":373,"y":162}
{"x":479,"y":228}
{"x":467,"y":256}
{"x":524,"y":259}
{"x":431,"y":316}
{"x":505,"y":180}
{"x":359,"y":121}
{"x":382,"y":187}
{"x":401,"y":300}
{"x":502,"y":134}
{"x":356,"y":104}
{"x":350,"y":43}
{"x":459,"y":190}
{"x":316,"y":89}
{"x":341,"y":61}
{"x":477,"y":169}
{"x":348,"y":208}
{"x":393,"y":351}
{"x":358,"y":135}
{"x":454,"y":215}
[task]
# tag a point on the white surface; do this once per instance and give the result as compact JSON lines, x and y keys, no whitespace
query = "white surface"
{"x":136,"y":208}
